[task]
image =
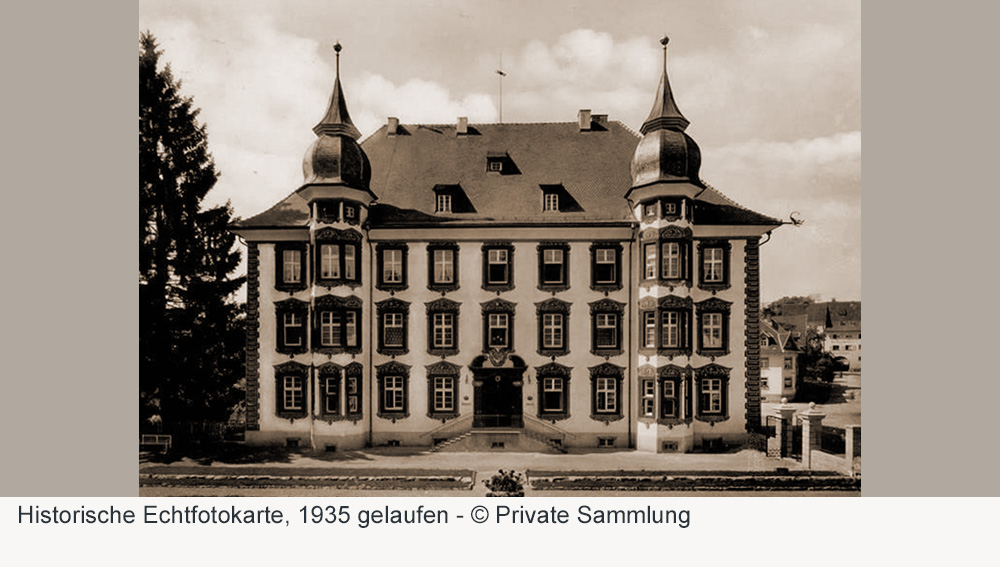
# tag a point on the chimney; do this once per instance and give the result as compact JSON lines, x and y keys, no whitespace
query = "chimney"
{"x":584,"y":116}
{"x":393,"y":126}
{"x":463,"y":126}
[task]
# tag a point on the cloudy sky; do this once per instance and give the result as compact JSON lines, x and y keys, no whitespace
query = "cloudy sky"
{"x":772,"y":89}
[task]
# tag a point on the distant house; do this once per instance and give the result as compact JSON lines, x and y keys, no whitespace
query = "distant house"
{"x":839,"y":321}
{"x":779,"y":359}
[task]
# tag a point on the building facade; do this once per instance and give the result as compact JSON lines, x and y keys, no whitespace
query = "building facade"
{"x":574,"y":284}
{"x":779,"y":362}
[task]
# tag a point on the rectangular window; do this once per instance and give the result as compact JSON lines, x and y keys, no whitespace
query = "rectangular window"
{"x":605,"y":266}
{"x":392,"y":266}
{"x":444,"y":330}
{"x":711,"y":330}
{"x":606,"y":330}
{"x":291,"y":266}
{"x":330,"y":328}
{"x":788,"y":381}
{"x":650,"y":271}
{"x":669,"y":208}
{"x":649,"y":329}
{"x":496,"y":271}
{"x":711,"y":395}
{"x":607,"y":395}
{"x":498,"y":330}
{"x":329,"y":267}
{"x":353,"y":394}
{"x":670,"y":336}
{"x":331,"y":387}
{"x":649,"y":210}
{"x":764,"y":383}
{"x":713,"y":263}
{"x":444,"y":393}
{"x":648,"y":398}
{"x":392,"y":393}
{"x":444,"y":266}
{"x":765,"y":362}
{"x":350,"y":265}
{"x":393,"y":332}
{"x":443,"y":203}
{"x":552,"y":394}
{"x":789,"y":363}
{"x":294,"y":396}
{"x":552,"y":330}
{"x":495,"y":165}
{"x":350,"y":212}
{"x":292,"y":332}
{"x":553,"y":266}
{"x":671,"y":260}
{"x":351,"y":328}
{"x":668,"y":399}
{"x":551,"y":202}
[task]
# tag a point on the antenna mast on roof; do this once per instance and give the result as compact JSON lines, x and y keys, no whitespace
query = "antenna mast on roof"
{"x":502,"y":75}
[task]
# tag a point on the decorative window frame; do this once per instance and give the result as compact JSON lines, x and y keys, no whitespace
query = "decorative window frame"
{"x":606,"y":370}
{"x":443,"y":369}
{"x":604,"y":307}
{"x":726,"y":247}
{"x":442,"y":287}
{"x":509,"y":285}
{"x":329,"y":235}
{"x":354,"y":372}
{"x":297,"y":307}
{"x":442,"y":305}
{"x":343,"y":305}
{"x":385,"y":307}
{"x":670,"y":303}
{"x":324,"y":372}
{"x":553,"y":306}
{"x":498,"y":305}
{"x":555,"y":286}
{"x":553,"y":370}
{"x":657,"y":238}
{"x":393,"y":368}
{"x":713,"y":305}
{"x":712,"y":372}
{"x":279,"y":266}
{"x":680,"y":377}
{"x":380,"y":250}
{"x":297,"y":370}
{"x":605,"y":286}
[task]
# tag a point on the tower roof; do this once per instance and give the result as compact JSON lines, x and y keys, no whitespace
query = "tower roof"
{"x":337,"y":121}
{"x":664,"y":113}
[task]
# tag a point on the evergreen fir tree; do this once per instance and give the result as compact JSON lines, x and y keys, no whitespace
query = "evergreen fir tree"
{"x":190,"y":329}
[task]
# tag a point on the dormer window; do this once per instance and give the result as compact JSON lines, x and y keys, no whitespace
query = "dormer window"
{"x":550,"y":202}
{"x":443,"y":203}
{"x":494,"y":165}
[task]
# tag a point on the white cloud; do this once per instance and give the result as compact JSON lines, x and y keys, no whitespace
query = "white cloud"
{"x":415,"y":101}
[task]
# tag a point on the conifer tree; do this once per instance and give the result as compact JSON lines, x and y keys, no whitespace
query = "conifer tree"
{"x":190,"y":328}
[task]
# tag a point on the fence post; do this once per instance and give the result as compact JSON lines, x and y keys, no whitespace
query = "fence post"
{"x":812,"y":432}
{"x":852,"y":445}
{"x":782,"y":445}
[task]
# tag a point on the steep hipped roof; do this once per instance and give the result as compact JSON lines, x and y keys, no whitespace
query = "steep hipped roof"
{"x":590,"y":167}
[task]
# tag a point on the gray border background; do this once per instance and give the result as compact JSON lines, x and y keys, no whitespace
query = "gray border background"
{"x":69,"y":412}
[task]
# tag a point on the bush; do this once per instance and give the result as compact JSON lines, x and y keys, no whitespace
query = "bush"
{"x":506,"y":482}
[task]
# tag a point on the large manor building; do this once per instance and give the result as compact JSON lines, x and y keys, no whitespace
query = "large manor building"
{"x":570,"y":284}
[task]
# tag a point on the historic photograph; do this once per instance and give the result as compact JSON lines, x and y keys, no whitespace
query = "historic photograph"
{"x":510,"y":248}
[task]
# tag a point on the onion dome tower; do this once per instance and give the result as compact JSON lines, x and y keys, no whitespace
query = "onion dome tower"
{"x":335,"y":158}
{"x":666,"y":161}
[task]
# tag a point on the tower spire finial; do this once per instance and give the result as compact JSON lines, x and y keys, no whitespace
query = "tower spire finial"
{"x":337,"y":121}
{"x":337,"y":47}
{"x":665,"y":113}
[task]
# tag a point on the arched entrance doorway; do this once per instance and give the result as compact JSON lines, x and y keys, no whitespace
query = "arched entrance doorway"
{"x":497,"y":400}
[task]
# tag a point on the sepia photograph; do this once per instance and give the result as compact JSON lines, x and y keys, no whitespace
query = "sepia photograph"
{"x":458,"y":248}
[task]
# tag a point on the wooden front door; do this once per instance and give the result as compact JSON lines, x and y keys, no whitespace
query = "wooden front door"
{"x":497,"y":399}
